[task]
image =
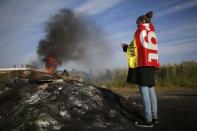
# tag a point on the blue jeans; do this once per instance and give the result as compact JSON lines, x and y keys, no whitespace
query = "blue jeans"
{"x":149,"y":101}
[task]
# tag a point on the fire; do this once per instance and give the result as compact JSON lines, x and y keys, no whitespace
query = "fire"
{"x":51,"y":64}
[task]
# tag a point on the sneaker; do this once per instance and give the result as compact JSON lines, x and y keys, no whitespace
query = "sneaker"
{"x":144,"y":124}
{"x":155,"y":121}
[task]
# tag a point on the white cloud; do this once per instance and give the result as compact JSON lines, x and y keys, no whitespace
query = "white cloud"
{"x":179,"y":31}
{"x":178,"y":51}
{"x":179,"y":7}
{"x":93,"y":7}
{"x":180,"y":48}
{"x":23,"y":13}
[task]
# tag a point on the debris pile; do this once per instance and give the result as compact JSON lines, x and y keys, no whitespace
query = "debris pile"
{"x":64,"y":105}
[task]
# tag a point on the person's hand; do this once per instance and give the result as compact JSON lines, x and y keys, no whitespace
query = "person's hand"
{"x":123,"y":44}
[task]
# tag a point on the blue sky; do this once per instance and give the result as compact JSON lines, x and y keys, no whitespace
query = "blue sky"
{"x":22,"y":26}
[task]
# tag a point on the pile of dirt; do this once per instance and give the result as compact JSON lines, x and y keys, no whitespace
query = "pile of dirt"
{"x":65,"y":106}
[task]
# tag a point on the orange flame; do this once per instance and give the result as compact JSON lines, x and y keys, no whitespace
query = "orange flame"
{"x":51,"y":65}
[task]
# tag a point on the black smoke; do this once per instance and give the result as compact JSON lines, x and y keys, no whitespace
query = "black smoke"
{"x":73,"y":37}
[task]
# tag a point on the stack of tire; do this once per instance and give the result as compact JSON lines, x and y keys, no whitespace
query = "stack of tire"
{"x":17,"y":82}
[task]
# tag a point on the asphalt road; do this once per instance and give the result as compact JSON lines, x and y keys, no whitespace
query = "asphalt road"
{"x":177,"y":111}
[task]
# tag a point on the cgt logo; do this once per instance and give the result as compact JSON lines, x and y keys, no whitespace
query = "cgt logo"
{"x":148,"y":40}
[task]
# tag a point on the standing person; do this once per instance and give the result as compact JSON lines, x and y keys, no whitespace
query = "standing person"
{"x":142,"y":55}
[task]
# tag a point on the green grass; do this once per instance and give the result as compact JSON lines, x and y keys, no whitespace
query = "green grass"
{"x":183,"y":75}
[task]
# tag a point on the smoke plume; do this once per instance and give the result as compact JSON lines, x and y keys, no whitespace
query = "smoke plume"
{"x":72,"y":37}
